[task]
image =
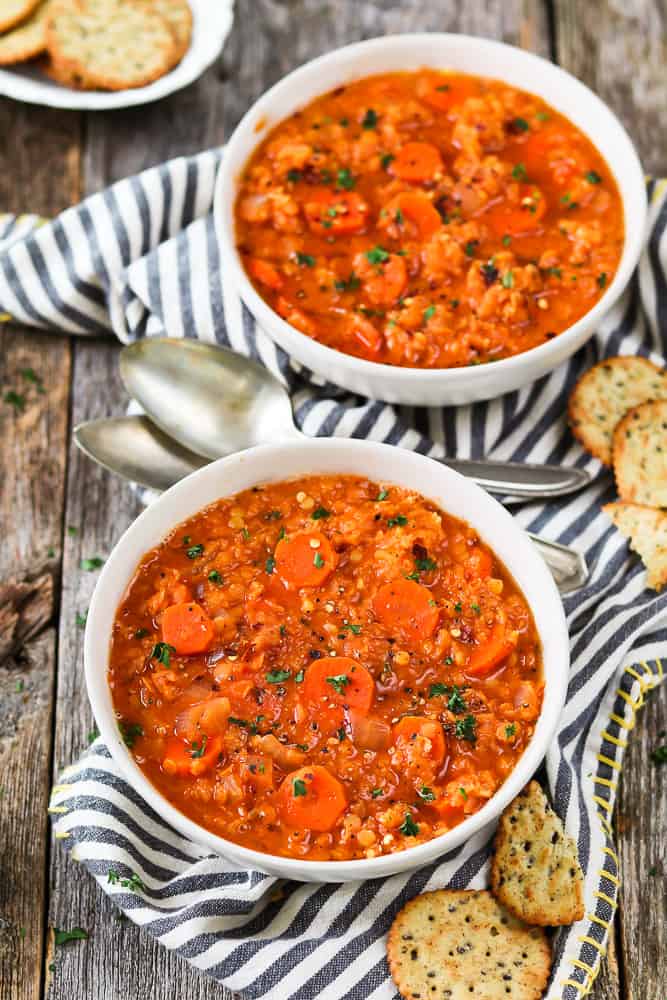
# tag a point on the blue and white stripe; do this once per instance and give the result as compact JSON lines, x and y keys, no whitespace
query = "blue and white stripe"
{"x":141,"y":259}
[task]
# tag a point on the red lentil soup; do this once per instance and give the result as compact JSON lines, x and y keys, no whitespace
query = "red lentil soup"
{"x":429,"y":220}
{"x":325,"y":669}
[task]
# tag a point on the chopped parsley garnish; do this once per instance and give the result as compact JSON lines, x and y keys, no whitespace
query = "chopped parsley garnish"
{"x":425,"y":565}
{"x":350,"y":285}
{"x":319,"y":513}
{"x":277,"y":676}
{"x":602,"y":280}
{"x":339,"y":682}
{"x":197,"y":749}
{"x":463,"y":792}
{"x":162,"y":653}
{"x":281,"y":533}
{"x":349,"y":627}
{"x":426,"y":794}
{"x":466,"y":729}
{"x":543,"y":116}
{"x":386,"y":159}
{"x":344,"y":180}
{"x":507,"y":239}
{"x":510,"y":730}
{"x":408,"y":827}
{"x":519,"y":172}
{"x":593,"y":177}
{"x":64,"y":937}
{"x":398,"y":219}
{"x":141,"y":633}
{"x":370,"y":119}
{"x":428,"y":313}
{"x":273,"y":515}
{"x":399,"y":521}
{"x":130,"y":731}
{"x":382,"y":495}
{"x":458,"y":607}
{"x":470,"y":248}
{"x":376,"y":793}
{"x":252,"y":727}
{"x":214,"y":577}
{"x":245,"y":533}
{"x":476,"y":608}
{"x":299,"y":676}
{"x":508,"y":279}
{"x":305,"y":259}
{"x":195,"y":551}
{"x":270,"y":565}
{"x":377,"y":255}
{"x":455,"y":700}
{"x":91,"y":564}
{"x":341,"y":733}
{"x":554,"y":272}
{"x":299,"y":787}
{"x":318,"y":561}
{"x":520,"y":125}
{"x":293,"y":176}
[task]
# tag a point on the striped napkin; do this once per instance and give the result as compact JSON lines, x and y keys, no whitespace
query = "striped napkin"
{"x":141,"y":258}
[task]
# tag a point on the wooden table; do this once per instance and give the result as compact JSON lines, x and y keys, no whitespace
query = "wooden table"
{"x":56,"y":507}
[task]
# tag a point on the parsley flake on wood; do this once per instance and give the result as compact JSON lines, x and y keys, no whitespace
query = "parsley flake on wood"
{"x":16,"y":400}
{"x":92,"y":735}
{"x":162,"y":653}
{"x":659,"y":755}
{"x":92,"y":564}
{"x":61,"y":937}
{"x":408,"y":827}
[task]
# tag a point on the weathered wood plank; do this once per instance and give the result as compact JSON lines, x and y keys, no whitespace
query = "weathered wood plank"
{"x":620,"y":50}
{"x":269,"y":39}
{"x":38,"y":172}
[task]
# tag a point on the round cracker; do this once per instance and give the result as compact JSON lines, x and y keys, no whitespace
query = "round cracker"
{"x":110,"y":44}
{"x":640,"y":455}
{"x":461,"y":945}
{"x":535,"y":870}
{"x":605,"y":393}
{"x":28,"y":40}
{"x":178,"y":15}
{"x":13,"y":12}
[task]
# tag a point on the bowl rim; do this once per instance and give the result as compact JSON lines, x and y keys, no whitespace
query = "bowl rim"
{"x":226,"y":190}
{"x":131,"y":547}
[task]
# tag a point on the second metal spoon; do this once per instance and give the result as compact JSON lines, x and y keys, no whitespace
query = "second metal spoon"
{"x":215,"y":402}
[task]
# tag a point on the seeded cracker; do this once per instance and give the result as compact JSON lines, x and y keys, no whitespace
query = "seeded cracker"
{"x":646,"y":530}
{"x":603,"y":396}
{"x":13,"y":12}
{"x":28,"y":40}
{"x":535,"y":870}
{"x":640,"y":455}
{"x":462,"y":945}
{"x":178,"y":15}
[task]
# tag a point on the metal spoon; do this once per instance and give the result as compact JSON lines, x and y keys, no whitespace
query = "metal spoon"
{"x":215,"y":402}
{"x":135,"y":449}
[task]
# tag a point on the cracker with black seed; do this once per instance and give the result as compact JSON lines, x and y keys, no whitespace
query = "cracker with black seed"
{"x":28,"y":39}
{"x":535,"y":871}
{"x":605,"y":393}
{"x":646,"y":530}
{"x":13,"y":12}
{"x":640,"y":455}
{"x":463,"y":945}
{"x":109,"y":44}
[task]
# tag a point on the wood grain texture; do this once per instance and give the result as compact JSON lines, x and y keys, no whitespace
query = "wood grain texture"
{"x":620,"y":50}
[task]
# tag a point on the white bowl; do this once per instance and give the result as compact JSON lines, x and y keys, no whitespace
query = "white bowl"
{"x":271,"y":463}
{"x":432,"y":387}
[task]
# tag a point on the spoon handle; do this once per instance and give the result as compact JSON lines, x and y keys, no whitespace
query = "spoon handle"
{"x":537,"y":482}
{"x":568,"y":567}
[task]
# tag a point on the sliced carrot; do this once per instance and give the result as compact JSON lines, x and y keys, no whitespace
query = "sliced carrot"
{"x":257,"y":770}
{"x":311,"y":799}
{"x":443,"y":92}
{"x":408,"y":606}
{"x":339,"y":680}
{"x":416,"y":161}
{"x":192,"y":758}
{"x":305,"y":559}
{"x":187,"y":628}
{"x":517,"y":218}
{"x":426,"y":736}
{"x":366,"y":335}
{"x":479,"y":563}
{"x":415,"y":209}
{"x":266,"y":273}
{"x":296,"y":317}
{"x":336,"y":212}
{"x":490,"y":654}
{"x":385,"y":285}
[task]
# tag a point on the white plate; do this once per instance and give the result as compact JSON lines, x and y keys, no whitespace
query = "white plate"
{"x":212,"y":22}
